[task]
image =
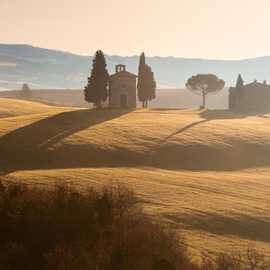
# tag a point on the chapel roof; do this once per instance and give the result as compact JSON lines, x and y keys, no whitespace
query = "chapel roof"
{"x":123,"y":73}
{"x":120,"y":70}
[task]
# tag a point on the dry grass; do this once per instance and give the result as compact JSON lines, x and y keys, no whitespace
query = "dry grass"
{"x":218,"y":210}
{"x":206,"y":172}
{"x":9,"y":107}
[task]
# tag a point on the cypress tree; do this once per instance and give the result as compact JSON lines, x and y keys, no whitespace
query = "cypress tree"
{"x":96,"y":90}
{"x":141,"y":86}
{"x":151,"y":85}
{"x":239,"y":82}
{"x":146,"y":82}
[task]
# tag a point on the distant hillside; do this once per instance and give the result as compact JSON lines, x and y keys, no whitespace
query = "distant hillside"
{"x":43,"y":68}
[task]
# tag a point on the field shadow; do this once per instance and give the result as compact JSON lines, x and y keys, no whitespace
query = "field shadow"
{"x":167,"y":109}
{"x":37,"y":146}
{"x":28,"y":147}
{"x":204,"y":157}
{"x":183,"y":129}
{"x":243,"y":226}
{"x":227,"y":114}
{"x":5,"y":115}
{"x":238,"y":154}
{"x":222,"y":114}
{"x":207,"y":115}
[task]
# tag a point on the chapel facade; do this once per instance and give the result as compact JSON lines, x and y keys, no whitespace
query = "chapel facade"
{"x":122,"y":88}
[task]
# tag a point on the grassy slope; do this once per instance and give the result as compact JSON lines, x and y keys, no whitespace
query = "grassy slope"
{"x":207,"y":172}
{"x":9,"y":107}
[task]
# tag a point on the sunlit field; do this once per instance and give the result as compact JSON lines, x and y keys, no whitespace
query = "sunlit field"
{"x":207,"y":173}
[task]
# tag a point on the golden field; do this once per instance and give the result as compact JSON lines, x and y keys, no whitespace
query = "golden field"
{"x":205,"y":172}
{"x":16,"y":107}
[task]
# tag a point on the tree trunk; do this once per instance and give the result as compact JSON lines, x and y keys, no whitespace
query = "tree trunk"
{"x":99,"y":105}
{"x":204,"y":100}
{"x":145,"y":104}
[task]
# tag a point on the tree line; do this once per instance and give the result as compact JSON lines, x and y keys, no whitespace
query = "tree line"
{"x":96,"y":91}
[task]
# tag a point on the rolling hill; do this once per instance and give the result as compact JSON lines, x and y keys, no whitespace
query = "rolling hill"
{"x":50,"y":69}
{"x":205,"y":172}
{"x":15,"y":107}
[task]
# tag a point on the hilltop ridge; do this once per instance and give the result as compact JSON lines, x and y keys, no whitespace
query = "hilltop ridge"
{"x":167,"y":139}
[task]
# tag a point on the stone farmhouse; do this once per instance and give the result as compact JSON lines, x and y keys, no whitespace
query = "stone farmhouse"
{"x":252,"y":97}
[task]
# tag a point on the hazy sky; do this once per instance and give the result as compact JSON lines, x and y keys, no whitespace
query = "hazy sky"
{"x":229,"y":29}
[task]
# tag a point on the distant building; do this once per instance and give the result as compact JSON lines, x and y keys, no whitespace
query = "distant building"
{"x":251,"y":97}
{"x":122,"y":88}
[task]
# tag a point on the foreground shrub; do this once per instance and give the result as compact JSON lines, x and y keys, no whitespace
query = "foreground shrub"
{"x":249,"y":260}
{"x":65,"y":229}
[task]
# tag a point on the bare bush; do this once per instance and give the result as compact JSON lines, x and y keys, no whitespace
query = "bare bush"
{"x":249,"y":260}
{"x":65,"y":229}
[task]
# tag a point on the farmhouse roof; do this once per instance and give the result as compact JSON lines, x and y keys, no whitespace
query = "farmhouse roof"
{"x":257,"y":85}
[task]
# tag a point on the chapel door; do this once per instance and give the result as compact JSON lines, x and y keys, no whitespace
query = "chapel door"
{"x":123,"y":101}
